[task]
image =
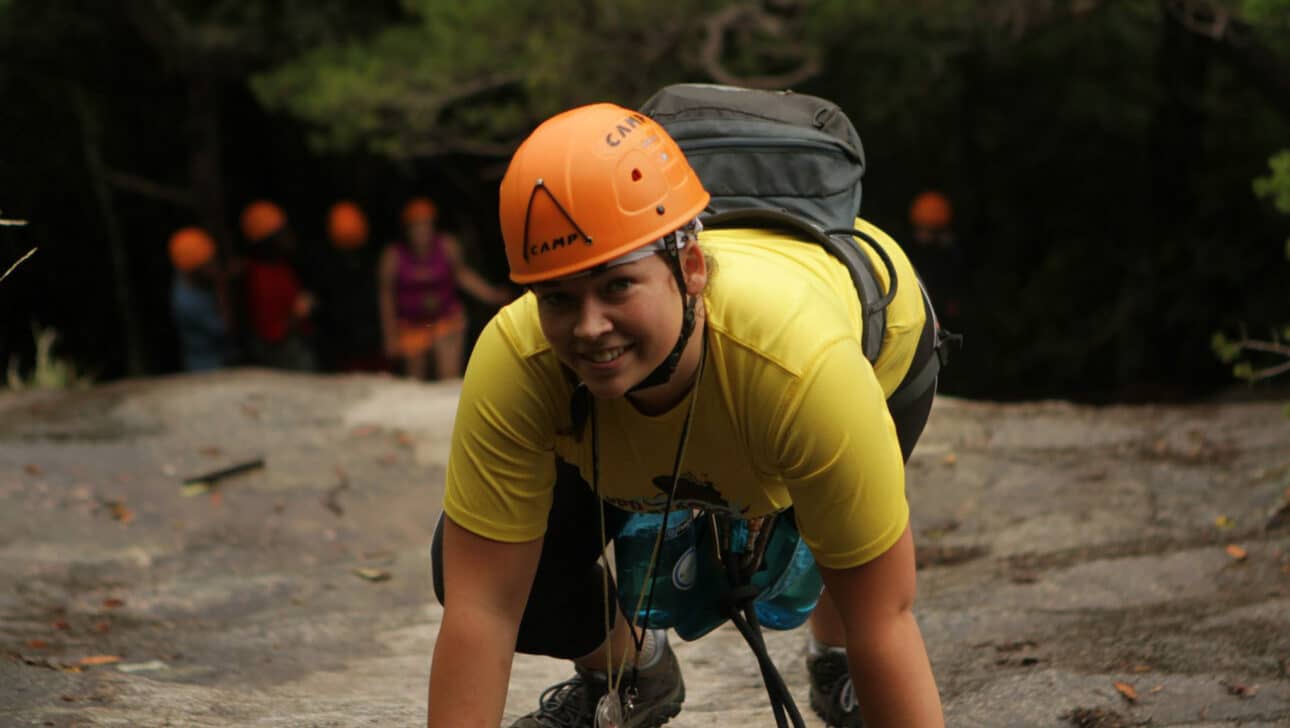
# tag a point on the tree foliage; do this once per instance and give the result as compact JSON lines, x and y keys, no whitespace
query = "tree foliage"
{"x":1276,"y":185}
{"x":1099,"y":153}
{"x":475,"y":77}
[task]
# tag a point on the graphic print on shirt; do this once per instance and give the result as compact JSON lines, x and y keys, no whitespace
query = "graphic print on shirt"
{"x":691,"y":492}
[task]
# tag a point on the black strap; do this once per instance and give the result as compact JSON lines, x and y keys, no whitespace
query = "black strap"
{"x":917,"y":385}
{"x":739,"y":606}
{"x":873,"y":301}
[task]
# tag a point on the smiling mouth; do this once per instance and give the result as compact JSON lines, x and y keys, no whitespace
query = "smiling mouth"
{"x":605,"y":356}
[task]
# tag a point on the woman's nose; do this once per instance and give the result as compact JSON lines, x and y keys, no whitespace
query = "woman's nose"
{"x":592,"y":323}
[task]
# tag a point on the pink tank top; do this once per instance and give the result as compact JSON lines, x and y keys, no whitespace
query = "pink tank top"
{"x":425,"y":289}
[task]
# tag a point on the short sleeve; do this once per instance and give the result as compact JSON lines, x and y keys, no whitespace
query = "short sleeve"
{"x":501,"y":465}
{"x":840,"y":459}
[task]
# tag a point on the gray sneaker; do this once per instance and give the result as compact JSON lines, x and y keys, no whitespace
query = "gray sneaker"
{"x":656,"y":698}
{"x":833,"y":696}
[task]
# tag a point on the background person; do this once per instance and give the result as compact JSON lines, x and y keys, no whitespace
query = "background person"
{"x":418,"y":278}
{"x":349,"y":339}
{"x":198,"y":303}
{"x":936,"y":253}
{"x":278,"y":307}
{"x":738,"y":349}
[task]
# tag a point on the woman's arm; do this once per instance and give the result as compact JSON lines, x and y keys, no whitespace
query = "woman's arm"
{"x":889,"y":666}
{"x":471,"y":281}
{"x":486,"y":585}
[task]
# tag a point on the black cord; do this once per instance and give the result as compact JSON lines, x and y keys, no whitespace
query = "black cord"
{"x":743,"y":614}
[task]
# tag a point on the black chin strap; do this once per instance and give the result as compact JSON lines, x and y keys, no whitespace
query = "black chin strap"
{"x":664,"y":371}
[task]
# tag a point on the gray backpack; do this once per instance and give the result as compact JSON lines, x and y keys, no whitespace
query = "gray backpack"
{"x":777,"y":159}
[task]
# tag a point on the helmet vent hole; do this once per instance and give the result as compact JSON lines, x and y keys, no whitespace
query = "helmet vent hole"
{"x":636,"y":175}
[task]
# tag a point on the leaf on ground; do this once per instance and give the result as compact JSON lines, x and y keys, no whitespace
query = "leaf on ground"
{"x":195,"y":489}
{"x":373,"y":574}
{"x":1242,"y":691}
{"x":1156,"y":689}
{"x":951,"y":459}
{"x":1236,"y":552}
{"x":37,"y":644}
{"x":102,"y":627}
{"x":364,"y":430}
{"x":98,"y":660}
{"x":1130,"y":694}
{"x":32,"y":469}
{"x":211,"y":451}
{"x":113,"y":603}
{"x":149,"y":666}
{"x":1224,"y":522}
{"x":120,"y":512}
{"x":60,"y":624}
{"x":1141,"y":668}
{"x":406,"y":440}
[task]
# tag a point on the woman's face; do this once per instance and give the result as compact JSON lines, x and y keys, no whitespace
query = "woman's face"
{"x":614,"y":327}
{"x":420,"y":232}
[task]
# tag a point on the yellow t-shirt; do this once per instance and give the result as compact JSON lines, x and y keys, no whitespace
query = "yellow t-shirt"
{"x":789,"y":411}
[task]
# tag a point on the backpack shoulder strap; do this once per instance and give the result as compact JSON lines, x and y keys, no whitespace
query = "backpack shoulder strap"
{"x":873,"y":301}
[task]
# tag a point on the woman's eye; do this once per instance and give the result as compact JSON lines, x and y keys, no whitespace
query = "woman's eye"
{"x":618,"y":285}
{"x":553,"y":299}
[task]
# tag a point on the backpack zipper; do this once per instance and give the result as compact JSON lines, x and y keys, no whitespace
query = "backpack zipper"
{"x":703,"y":145}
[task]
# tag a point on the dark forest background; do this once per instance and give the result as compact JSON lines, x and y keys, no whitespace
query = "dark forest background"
{"x":1101,"y":156}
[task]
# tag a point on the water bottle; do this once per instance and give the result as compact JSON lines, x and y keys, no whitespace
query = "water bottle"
{"x":690,"y":583}
{"x":787,"y":581}
{"x":674,"y":572}
{"x":792,"y":584}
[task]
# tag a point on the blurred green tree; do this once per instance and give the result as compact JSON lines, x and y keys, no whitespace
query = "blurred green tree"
{"x":1099,"y":154}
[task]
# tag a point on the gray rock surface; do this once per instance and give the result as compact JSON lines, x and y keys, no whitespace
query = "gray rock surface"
{"x":1063,"y":550}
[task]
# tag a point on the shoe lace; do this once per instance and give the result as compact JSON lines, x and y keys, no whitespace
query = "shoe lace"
{"x":847,"y":696}
{"x":833,"y":677}
{"x":565,"y":705}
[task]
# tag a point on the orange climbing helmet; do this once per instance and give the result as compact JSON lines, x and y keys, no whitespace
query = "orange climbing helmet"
{"x":931,"y":209}
{"x":261,"y":219}
{"x":191,"y":248}
{"x":419,"y":209}
{"x":589,"y":185}
{"x":346,"y":225}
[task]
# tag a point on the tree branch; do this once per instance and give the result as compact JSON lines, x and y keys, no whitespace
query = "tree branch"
{"x":1270,"y":347}
{"x":18,"y":262}
{"x":148,"y":188}
{"x":1267,"y":346}
{"x":1238,"y":42}
{"x":714,"y":45}
{"x":1021,"y":17}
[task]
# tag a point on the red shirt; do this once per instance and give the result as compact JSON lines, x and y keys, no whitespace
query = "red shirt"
{"x":271,"y":291}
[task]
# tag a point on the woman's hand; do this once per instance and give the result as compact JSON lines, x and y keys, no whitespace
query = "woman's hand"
{"x":486,"y":586}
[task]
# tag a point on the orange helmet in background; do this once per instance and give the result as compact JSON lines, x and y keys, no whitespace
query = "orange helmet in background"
{"x":261,"y":219}
{"x":346,"y":225}
{"x":931,"y":209}
{"x":191,"y":248}
{"x":419,"y":209}
{"x":589,"y":185}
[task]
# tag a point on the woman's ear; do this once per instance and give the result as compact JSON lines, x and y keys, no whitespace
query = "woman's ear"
{"x":695,"y":266}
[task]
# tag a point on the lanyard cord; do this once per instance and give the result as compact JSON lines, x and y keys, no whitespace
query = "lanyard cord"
{"x":743,"y":614}
{"x":647,"y":585}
